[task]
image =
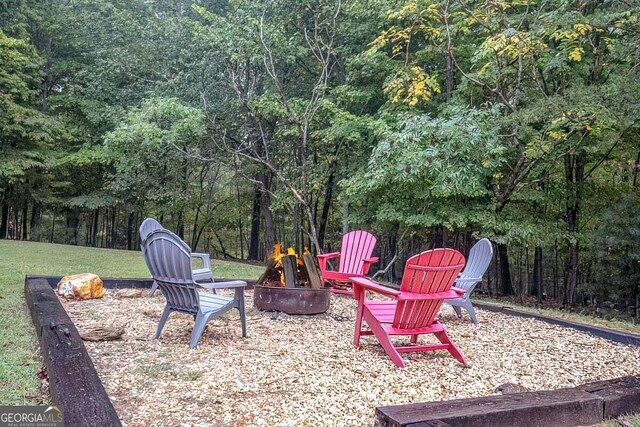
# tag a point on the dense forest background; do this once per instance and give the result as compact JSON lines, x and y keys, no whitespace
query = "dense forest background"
{"x":244,"y":123}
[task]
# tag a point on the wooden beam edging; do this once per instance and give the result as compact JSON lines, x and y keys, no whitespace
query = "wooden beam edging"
{"x":73,"y":381}
{"x":587,"y":404}
{"x":119,"y":283}
{"x":609,"y":334}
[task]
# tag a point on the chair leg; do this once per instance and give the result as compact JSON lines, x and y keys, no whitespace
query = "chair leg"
{"x":455,"y":352}
{"x":243,"y":320}
{"x":414,"y":339}
{"x":457,"y":310}
{"x":384,"y":339}
{"x":163,"y":319}
{"x":198,"y":329}
{"x":358,"y":325}
{"x":154,"y":288}
{"x":472,"y":312}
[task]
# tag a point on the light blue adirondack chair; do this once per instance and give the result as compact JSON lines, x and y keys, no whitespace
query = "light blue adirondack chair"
{"x":200,"y":274}
{"x":477,"y":263}
{"x":169,"y":261}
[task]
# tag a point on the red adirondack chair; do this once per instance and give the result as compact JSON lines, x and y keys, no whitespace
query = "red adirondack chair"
{"x":355,"y":261}
{"x":427,"y":281}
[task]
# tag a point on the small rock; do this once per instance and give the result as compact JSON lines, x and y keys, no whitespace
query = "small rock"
{"x":102,"y":334}
{"x":130,"y":293}
{"x":510,"y":388}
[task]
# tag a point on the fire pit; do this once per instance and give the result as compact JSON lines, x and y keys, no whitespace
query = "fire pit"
{"x":291,"y":284}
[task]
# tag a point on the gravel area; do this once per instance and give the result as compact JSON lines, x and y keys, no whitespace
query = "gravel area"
{"x":304,"y":370}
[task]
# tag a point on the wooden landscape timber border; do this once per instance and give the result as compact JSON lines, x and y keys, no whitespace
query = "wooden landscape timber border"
{"x":587,"y":404}
{"x":609,"y":334}
{"x":76,"y":387}
{"x":118,"y":283}
{"x":74,"y":383}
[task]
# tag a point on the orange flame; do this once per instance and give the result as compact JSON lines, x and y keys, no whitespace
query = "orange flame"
{"x":278,"y":255}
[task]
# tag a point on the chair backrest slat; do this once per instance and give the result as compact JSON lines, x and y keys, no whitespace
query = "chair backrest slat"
{"x":169,"y":260}
{"x":147,"y":226}
{"x":478,"y":261}
{"x":356,"y":246}
{"x":426,"y":273}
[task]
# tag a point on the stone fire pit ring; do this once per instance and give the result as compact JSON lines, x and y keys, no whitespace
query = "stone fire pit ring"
{"x":291,"y":300}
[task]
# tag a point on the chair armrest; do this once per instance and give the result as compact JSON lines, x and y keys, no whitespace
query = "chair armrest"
{"x":367,"y":264}
{"x":224,"y":285}
{"x":467,"y":284}
{"x":323,"y":258}
{"x":458,"y":290}
{"x":329,"y":256}
{"x":410,"y":296}
{"x":370,"y":285}
{"x":206,"y":261}
{"x":468,"y":279}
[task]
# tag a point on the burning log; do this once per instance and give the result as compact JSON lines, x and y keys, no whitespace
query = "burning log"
{"x":269,"y":273}
{"x":312,"y":271}
{"x":291,"y":284}
{"x":290,"y":270}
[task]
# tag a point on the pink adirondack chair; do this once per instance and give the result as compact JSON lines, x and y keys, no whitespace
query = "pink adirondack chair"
{"x":427,"y":281}
{"x":355,"y":261}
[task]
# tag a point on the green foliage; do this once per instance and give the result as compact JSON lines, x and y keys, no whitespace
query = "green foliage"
{"x":616,"y":251}
{"x":452,"y":155}
{"x":148,"y":149}
{"x":507,"y":119}
{"x":24,"y":133}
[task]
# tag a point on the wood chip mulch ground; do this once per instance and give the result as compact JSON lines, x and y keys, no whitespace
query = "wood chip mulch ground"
{"x":304,"y":370}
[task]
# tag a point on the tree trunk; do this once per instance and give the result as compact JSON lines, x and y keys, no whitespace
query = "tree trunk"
{"x":93,"y":228}
{"x":240,"y":223}
{"x":53,"y":227}
{"x":537,"y":289}
{"x":297,"y":226}
{"x":195,"y":235}
{"x":72,"y":227}
{"x":254,"y":237}
{"x":35,"y":223}
{"x":326,"y":205}
{"x":437,"y":237}
{"x":15,"y":227}
{"x":505,"y":272}
{"x":113,"y":230}
{"x":180,"y":227}
{"x":4,"y":223}
{"x":574,"y":173}
{"x":130,"y":228}
{"x":265,"y":206}
{"x":450,"y":75}
{"x":572,"y":273}
{"x":25,"y":214}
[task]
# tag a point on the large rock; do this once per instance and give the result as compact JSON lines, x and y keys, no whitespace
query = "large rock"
{"x":81,"y":286}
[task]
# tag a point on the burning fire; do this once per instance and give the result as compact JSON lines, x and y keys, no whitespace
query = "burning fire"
{"x":278,"y":255}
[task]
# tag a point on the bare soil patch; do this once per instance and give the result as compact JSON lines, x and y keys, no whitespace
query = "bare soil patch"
{"x":304,"y":370}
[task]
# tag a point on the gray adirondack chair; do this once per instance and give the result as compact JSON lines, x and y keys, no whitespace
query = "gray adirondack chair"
{"x":477,"y":263}
{"x":200,"y":274}
{"x":170,"y":263}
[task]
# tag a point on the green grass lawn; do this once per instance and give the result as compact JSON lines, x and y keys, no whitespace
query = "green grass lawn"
{"x":632,"y":420}
{"x":19,"y":358}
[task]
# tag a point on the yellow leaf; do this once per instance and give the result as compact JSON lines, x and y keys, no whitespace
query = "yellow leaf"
{"x":576,"y":54}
